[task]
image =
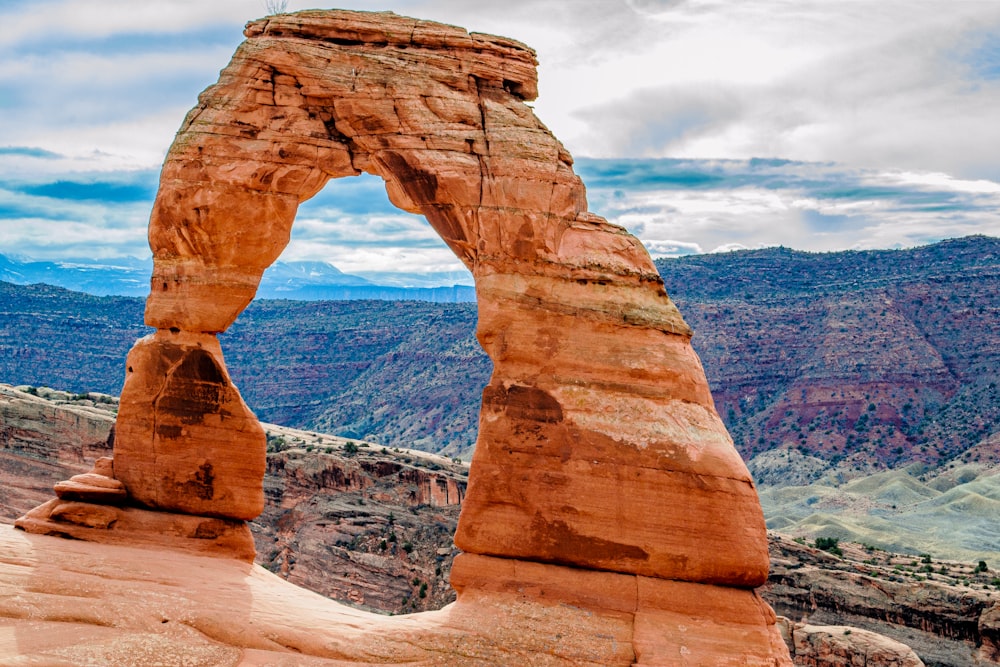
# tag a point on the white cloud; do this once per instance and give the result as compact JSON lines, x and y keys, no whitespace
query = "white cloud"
{"x":28,"y":20}
{"x":668,"y":248}
{"x":889,"y":109}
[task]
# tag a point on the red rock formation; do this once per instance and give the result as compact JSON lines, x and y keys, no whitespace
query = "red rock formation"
{"x":185,"y":440}
{"x":599,"y":447}
{"x":841,"y":646}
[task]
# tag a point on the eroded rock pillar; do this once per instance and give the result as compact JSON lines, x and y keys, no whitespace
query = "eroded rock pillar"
{"x":185,"y":440}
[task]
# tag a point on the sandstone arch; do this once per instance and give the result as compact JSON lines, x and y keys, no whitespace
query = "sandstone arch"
{"x":599,"y":447}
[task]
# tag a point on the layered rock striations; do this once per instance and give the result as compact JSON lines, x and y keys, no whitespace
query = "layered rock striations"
{"x":603,"y":479}
{"x":46,"y":435}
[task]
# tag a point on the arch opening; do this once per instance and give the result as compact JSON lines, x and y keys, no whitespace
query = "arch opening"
{"x":373,"y":372}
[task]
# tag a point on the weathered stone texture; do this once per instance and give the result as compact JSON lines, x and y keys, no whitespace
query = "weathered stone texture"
{"x":186,"y":441}
{"x":599,"y":447}
{"x":596,"y":403}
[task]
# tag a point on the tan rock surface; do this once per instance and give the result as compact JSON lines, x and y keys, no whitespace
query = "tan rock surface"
{"x":842,"y":646}
{"x":185,"y":440}
{"x":68,"y":602}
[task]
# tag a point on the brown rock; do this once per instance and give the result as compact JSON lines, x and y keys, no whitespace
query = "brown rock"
{"x":185,"y":440}
{"x":92,"y":488}
{"x":137,"y":527}
{"x":104,"y":466}
{"x":989,"y":633}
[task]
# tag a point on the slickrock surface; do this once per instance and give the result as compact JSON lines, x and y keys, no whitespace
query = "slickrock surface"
{"x":67,"y":602}
{"x":604,"y":485}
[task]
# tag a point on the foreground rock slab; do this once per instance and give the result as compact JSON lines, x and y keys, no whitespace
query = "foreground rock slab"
{"x":842,"y":646}
{"x":69,"y":602}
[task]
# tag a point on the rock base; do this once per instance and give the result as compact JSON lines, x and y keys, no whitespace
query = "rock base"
{"x":660,"y":622}
{"x":67,"y":602}
{"x":108,"y":524}
{"x":93,"y":507}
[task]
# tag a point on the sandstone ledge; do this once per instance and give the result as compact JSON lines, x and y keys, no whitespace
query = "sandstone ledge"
{"x":138,"y":527}
{"x":67,"y":602}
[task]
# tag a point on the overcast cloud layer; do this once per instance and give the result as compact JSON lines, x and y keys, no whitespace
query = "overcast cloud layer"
{"x":717,"y":124}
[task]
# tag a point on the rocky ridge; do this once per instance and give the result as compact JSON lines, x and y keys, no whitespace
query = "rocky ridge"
{"x":947,"y":611}
{"x":321,"y":365}
{"x":882,"y":358}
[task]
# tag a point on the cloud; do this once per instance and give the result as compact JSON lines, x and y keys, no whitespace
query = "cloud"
{"x":28,"y":151}
{"x":93,"y":191}
{"x":28,"y":22}
{"x":667,"y":248}
{"x":805,"y":124}
{"x":891,"y":91}
{"x":118,"y":77}
{"x":671,"y":204}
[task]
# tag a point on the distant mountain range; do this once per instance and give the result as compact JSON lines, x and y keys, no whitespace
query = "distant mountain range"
{"x":820,"y":364}
{"x":299,"y":281}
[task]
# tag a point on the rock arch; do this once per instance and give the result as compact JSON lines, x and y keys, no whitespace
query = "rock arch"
{"x":599,"y":445}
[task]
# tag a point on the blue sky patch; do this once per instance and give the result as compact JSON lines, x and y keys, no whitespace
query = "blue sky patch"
{"x":29,"y":151}
{"x":105,"y":192}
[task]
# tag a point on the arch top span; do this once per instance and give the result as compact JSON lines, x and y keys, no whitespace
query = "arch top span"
{"x":436,"y":111}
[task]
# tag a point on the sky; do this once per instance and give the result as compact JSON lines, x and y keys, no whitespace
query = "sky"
{"x":699,"y":125}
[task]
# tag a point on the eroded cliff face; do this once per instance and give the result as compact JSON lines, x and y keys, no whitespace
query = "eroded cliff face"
{"x":946,"y":611}
{"x":603,"y":478}
{"x":45,"y":437}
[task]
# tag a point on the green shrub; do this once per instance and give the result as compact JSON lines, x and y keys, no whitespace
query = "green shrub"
{"x":830,"y":545}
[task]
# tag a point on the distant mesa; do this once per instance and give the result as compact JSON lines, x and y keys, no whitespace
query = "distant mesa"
{"x":608,"y":518}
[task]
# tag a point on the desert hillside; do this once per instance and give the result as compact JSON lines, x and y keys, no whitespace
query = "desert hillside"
{"x":858,"y":361}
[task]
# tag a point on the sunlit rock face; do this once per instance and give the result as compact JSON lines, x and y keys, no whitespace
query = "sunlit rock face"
{"x":602,"y":476}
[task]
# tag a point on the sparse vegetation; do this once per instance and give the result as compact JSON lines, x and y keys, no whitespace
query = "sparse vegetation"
{"x":830,"y":545}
